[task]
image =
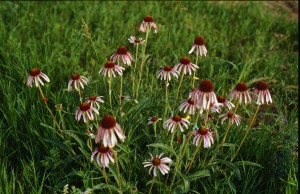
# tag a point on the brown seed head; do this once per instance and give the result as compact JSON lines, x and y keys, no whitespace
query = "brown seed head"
{"x":103,"y":149}
{"x":202,"y":131}
{"x":221,"y":99}
{"x":199,"y":41}
{"x":190,"y":101}
{"x":168,"y":68}
{"x":108,"y":122}
{"x":230,"y":114}
{"x":241,"y":87}
{"x":148,"y":19}
{"x":154,"y":119}
{"x":122,"y":50}
{"x":34,"y":72}
{"x":156,"y":161}
{"x":84,"y":106}
{"x":185,"y":61}
{"x":177,"y":118}
{"x":93,"y":98}
{"x":75,"y":76}
{"x":261,"y":85}
{"x":206,"y":86}
{"x":137,"y":40}
{"x":109,"y":64}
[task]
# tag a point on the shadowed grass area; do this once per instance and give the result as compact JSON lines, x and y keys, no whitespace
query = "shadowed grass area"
{"x":246,"y":42}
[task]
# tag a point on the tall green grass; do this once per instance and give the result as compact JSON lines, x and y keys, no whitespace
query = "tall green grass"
{"x":246,"y":42}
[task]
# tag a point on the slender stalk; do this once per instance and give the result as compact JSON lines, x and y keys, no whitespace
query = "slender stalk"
{"x":143,"y":60}
{"x":193,"y":157}
{"x":79,"y":92}
{"x":54,"y":119}
{"x":151,"y":185}
{"x":183,"y":151}
{"x":134,"y":69}
{"x":109,"y":91}
{"x":180,"y":158}
{"x":247,"y":131}
{"x":118,"y":170}
{"x":180,"y":82}
{"x":194,"y":76}
{"x":154,"y":128}
{"x":105,"y":177}
{"x":90,"y":145}
{"x":198,"y":147}
{"x":204,"y":160}
{"x":166,"y":99}
{"x":173,"y":136}
{"x":228,"y":126}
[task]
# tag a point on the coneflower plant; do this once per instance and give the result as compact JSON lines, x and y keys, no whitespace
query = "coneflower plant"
{"x":200,"y":49}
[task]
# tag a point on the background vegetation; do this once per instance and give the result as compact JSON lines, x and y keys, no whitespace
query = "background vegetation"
{"x":246,"y":41}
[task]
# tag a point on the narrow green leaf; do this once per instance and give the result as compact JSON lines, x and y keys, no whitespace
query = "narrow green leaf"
{"x":230,"y":165}
{"x":200,"y":174}
{"x":164,"y":147}
{"x":247,"y":163}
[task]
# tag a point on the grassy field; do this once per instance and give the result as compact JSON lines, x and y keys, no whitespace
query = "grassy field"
{"x":246,"y":42}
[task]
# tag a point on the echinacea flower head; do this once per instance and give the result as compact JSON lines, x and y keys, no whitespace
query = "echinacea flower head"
{"x":261,"y":92}
{"x":166,"y":72}
{"x":125,"y":98}
{"x":94,"y":100}
{"x":206,"y":135}
{"x":186,"y":66}
{"x":35,"y":76}
{"x":148,"y":22}
{"x":214,"y":107}
{"x":85,"y":110}
{"x":108,"y":130}
{"x":175,"y":121}
{"x":136,"y":41}
{"x":223,"y":102}
{"x":232,"y":117}
{"x":199,"y":46}
{"x":78,"y":81}
{"x":158,"y":163}
{"x":110,"y":68}
{"x":122,"y":56}
{"x":189,"y":106}
{"x":241,"y":91}
{"x":153,"y":119}
{"x":204,"y":94}
{"x":103,"y":155}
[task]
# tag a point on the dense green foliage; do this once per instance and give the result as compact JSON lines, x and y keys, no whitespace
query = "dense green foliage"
{"x":246,"y":42}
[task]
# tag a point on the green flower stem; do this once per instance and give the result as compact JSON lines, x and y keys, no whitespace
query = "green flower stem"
{"x":194,"y":76}
{"x":79,"y":92}
{"x":198,"y":147}
{"x":134,"y":69}
{"x":247,"y":131}
{"x":54,"y":119}
{"x":90,"y":145}
{"x":166,"y":100}
{"x":118,"y":170}
{"x":105,"y":177}
{"x":183,"y":151}
{"x":193,"y":157}
{"x":143,"y":61}
{"x":228,"y":126}
{"x":178,"y":161}
{"x":109,"y":91}
{"x":154,"y":128}
{"x":172,"y":138}
{"x":180,"y":82}
{"x":150,"y":190}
